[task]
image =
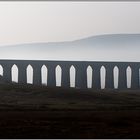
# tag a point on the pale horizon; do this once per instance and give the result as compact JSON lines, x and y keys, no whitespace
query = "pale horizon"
{"x":37,"y":22}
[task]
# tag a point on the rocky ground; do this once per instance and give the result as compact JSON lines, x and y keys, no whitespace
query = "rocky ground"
{"x":28,"y":111}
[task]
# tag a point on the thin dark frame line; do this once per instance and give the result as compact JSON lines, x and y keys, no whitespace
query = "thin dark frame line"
{"x":72,"y":0}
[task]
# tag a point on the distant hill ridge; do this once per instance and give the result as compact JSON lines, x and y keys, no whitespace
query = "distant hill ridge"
{"x":116,"y":38}
{"x":102,"y":47}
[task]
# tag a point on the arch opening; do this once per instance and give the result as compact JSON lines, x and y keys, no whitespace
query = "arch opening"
{"x":128,"y":76}
{"x":139,"y":77}
{"x":44,"y":75}
{"x":116,"y":77}
{"x":72,"y":76}
{"x":14,"y":73}
{"x":89,"y":77}
{"x":58,"y":74}
{"x":29,"y":71}
{"x":1,"y":70}
{"x":102,"y":76}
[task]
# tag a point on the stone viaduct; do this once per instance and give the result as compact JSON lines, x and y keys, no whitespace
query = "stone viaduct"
{"x":81,"y":72}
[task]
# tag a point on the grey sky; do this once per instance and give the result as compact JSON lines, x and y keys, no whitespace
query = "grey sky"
{"x":28,"y":22}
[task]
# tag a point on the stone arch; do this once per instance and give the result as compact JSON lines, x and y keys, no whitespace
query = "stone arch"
{"x":72,"y":76}
{"x":89,"y":76}
{"x":116,"y":76}
{"x":102,"y":76}
{"x":44,"y":74}
{"x":29,"y":71}
{"x":128,"y":76}
{"x":58,"y":74}
{"x":1,"y":70}
{"x":14,"y":73}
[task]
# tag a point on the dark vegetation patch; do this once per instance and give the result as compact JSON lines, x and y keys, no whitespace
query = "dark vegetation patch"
{"x":28,"y":111}
{"x":42,"y":97}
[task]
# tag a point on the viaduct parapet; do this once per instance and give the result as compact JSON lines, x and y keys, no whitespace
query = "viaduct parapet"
{"x":80,"y":76}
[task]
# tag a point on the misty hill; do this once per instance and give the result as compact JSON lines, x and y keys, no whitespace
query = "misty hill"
{"x":115,"y":47}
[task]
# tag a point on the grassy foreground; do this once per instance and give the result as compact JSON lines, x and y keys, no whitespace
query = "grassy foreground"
{"x":28,"y":111}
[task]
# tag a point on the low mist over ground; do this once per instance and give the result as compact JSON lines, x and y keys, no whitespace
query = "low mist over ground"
{"x":113,"y":47}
